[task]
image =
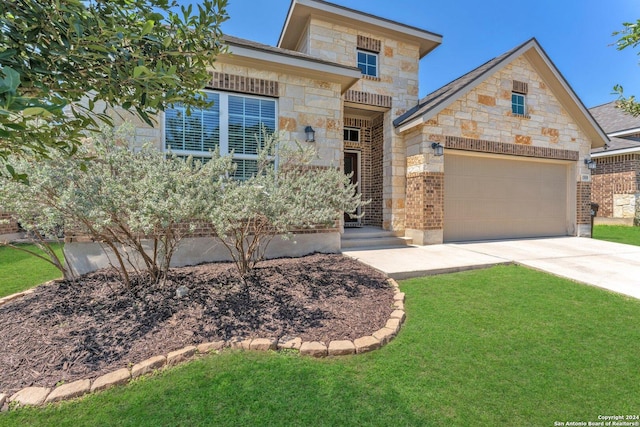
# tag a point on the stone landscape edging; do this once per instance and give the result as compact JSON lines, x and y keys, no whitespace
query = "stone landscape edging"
{"x":42,"y":395}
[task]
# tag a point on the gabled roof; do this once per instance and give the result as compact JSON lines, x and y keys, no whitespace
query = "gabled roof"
{"x":614,"y":120}
{"x":248,"y":52}
{"x":440,"y":99}
{"x":301,"y":10}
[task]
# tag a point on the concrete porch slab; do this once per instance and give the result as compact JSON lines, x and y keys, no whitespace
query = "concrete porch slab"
{"x":417,"y":261}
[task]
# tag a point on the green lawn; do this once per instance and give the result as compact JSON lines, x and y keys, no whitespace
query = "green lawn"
{"x":617,"y":233}
{"x":20,"y":271}
{"x":503,"y":346}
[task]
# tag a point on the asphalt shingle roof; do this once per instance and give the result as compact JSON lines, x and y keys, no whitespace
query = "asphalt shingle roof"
{"x":612,"y":119}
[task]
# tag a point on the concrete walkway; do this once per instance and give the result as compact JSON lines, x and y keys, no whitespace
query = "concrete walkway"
{"x":608,"y":265}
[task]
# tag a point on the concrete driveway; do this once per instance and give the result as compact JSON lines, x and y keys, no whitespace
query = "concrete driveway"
{"x":612,"y":266}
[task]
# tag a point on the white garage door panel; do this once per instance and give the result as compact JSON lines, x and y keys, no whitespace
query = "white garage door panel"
{"x":491,"y":198}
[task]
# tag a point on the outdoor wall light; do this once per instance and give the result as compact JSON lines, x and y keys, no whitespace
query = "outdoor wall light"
{"x":311,"y":134}
{"x":438,"y":149}
{"x":591,"y":164}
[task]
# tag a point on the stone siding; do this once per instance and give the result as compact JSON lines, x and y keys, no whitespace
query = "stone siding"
{"x":395,"y":88}
{"x":616,"y":186}
{"x":301,"y":101}
{"x":482,"y":121}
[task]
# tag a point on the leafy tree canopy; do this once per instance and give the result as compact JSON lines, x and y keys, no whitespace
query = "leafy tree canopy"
{"x":629,"y":37}
{"x":64,"y":62}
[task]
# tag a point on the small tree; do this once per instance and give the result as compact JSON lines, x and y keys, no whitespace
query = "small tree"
{"x":63,"y":62}
{"x":285,"y":194}
{"x":629,"y":37}
{"x":139,"y":205}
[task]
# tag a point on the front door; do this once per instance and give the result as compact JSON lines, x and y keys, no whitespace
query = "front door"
{"x":351,"y":167}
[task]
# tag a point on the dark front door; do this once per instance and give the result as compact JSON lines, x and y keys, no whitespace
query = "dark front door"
{"x":351,"y":167}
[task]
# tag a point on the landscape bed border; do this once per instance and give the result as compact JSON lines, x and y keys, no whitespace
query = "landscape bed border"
{"x":36,"y":396}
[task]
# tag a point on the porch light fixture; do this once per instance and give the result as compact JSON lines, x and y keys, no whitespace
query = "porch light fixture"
{"x":591,"y":164}
{"x":311,"y":134}
{"x":438,"y":149}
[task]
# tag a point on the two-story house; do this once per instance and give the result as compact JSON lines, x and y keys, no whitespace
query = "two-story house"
{"x":501,"y":152}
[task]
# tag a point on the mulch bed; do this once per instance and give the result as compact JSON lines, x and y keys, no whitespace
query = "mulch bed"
{"x":72,"y":330}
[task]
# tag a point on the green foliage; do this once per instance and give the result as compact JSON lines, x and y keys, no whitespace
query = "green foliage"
{"x":286,"y":193}
{"x":138,"y":205}
{"x":618,"y":234}
{"x":20,"y":270}
{"x":502,"y":346}
{"x":629,"y":37}
{"x":64,"y":62}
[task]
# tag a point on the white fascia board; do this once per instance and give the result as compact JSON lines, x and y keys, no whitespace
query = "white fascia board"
{"x":615,"y":152}
{"x":292,"y":61}
{"x":625,"y":132}
{"x":372,"y":20}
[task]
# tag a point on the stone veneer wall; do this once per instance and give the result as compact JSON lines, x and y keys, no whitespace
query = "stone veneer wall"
{"x":301,"y":101}
{"x":616,"y":186}
{"x":397,"y":79}
{"x":481,"y":121}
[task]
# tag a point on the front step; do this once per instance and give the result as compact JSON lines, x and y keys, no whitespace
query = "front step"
{"x":371,"y":238}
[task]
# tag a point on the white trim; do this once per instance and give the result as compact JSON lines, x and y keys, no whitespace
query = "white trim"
{"x":608,"y":153}
{"x":375,"y":55}
{"x":223,"y":99}
{"x":355,"y":19}
{"x":625,"y":132}
{"x":524,"y":103}
{"x":293,"y":61}
{"x":351,"y":128}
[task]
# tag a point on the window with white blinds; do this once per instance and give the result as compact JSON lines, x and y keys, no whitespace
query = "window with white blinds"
{"x":234,"y":124}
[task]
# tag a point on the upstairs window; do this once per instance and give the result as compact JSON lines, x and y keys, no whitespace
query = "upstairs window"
{"x":368,"y":63}
{"x":518,"y":104}
{"x":233,"y":123}
{"x":519,"y":98}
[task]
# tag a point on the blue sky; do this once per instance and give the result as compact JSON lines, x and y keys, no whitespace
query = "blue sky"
{"x":576,"y":34}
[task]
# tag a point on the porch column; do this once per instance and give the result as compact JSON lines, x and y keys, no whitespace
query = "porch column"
{"x":425,"y":195}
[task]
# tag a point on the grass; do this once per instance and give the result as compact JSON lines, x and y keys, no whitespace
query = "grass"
{"x":503,"y":346}
{"x":618,"y":234}
{"x":20,"y":271}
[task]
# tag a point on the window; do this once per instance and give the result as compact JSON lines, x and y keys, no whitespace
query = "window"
{"x":352,"y":134}
{"x":232,"y":124}
{"x":368,"y":63}
{"x":518,"y":105}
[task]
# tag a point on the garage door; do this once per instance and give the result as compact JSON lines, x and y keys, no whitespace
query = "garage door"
{"x":497,"y":198}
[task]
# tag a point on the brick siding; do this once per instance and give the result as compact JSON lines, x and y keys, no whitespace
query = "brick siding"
{"x":370,"y":149}
{"x":614,"y":175}
{"x":483,"y":146}
{"x":368,"y":43}
{"x":235,"y":83}
{"x":10,"y":227}
{"x":425,"y":201}
{"x":583,"y":203}
{"x":368,"y":98}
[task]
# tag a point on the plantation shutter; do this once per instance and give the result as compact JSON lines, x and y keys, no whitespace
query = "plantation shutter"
{"x":199,"y":131}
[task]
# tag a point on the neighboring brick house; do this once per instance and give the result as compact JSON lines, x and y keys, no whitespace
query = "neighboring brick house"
{"x":616,"y":179}
{"x":7,"y":228}
{"x":514,"y":133}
